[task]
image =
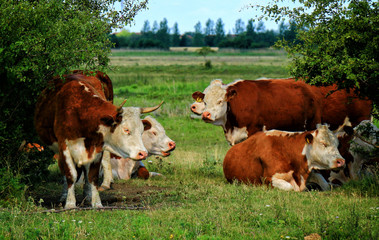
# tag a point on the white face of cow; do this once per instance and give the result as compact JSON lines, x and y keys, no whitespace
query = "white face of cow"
{"x":155,"y":139}
{"x":321,"y":150}
{"x":198,"y":106}
{"x":215,"y":104}
{"x":126,"y":138}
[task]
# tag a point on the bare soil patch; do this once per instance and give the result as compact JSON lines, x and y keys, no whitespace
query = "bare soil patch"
{"x":122,"y":194}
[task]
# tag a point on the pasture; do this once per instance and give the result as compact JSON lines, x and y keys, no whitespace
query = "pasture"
{"x":193,"y":200}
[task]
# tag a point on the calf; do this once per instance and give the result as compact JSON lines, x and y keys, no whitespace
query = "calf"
{"x":282,"y":159}
{"x":76,"y":121}
{"x":156,"y":142}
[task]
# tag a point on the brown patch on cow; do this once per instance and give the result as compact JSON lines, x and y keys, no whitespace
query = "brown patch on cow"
{"x":143,"y":173}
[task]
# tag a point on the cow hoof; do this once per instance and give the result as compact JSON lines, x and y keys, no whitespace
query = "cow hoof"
{"x":70,"y":206}
{"x":155,"y":174}
{"x":103,"y":188}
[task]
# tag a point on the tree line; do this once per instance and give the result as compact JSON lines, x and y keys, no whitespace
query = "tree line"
{"x":245,"y":36}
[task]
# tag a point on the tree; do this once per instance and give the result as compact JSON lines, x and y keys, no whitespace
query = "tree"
{"x":41,"y":39}
{"x":338,"y":43}
{"x":163,"y":34}
{"x":209,"y":28}
{"x":198,"y":38}
{"x":146,"y":27}
{"x":175,"y":38}
{"x":239,"y":27}
{"x":209,"y":33}
{"x":220,"y":32}
{"x":155,"y":27}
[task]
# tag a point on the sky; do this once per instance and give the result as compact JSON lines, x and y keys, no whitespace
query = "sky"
{"x":188,"y":12}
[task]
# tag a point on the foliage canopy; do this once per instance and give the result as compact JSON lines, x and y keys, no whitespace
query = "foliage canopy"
{"x":41,"y":39}
{"x":338,"y":42}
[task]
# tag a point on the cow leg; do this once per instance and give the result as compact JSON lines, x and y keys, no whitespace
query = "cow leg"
{"x":282,"y":184}
{"x":107,"y":170}
{"x":318,"y":179}
{"x":64,"y":190}
{"x":67,"y":167}
{"x":93,"y":178}
{"x":87,"y":189}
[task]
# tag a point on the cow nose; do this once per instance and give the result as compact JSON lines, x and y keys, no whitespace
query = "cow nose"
{"x":340,"y":162}
{"x":206,"y":115}
{"x":142,"y":155}
{"x":171,"y":145}
{"x":193,"y":108}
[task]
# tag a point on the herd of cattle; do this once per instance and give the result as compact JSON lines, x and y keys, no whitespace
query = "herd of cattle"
{"x":274,"y":127}
{"x":76,"y":118}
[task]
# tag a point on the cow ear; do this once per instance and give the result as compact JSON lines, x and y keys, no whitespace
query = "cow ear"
{"x":107,"y":120}
{"x":231,"y":93}
{"x":349,"y":130}
{"x":198,"y":96}
{"x":146,"y":125}
{"x":309,"y":138}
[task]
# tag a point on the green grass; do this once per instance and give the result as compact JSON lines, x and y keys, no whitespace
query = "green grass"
{"x":197,"y":202}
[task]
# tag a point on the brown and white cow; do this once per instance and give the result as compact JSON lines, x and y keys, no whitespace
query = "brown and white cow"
{"x":282,"y":159}
{"x":362,"y":149}
{"x":244,"y":106}
{"x":75,"y":120}
{"x":156,"y":142}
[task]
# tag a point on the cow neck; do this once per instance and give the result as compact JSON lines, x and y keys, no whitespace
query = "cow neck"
{"x":230,"y":120}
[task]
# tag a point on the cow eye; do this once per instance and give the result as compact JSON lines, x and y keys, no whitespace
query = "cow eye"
{"x":219,"y":102}
{"x":127,"y":131}
{"x":154,"y":133}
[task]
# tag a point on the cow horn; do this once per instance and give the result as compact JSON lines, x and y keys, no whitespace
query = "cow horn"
{"x":150,"y":109}
{"x":120,"y":107}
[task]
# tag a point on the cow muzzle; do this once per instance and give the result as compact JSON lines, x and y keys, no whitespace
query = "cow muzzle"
{"x":194,"y":109}
{"x":171,"y":146}
{"x":207,"y":117}
{"x":141,"y":155}
{"x":339,"y":163}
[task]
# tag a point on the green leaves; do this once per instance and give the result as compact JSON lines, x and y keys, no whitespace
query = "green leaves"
{"x":337,"y":43}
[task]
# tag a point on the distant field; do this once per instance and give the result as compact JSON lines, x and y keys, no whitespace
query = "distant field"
{"x":193,"y":200}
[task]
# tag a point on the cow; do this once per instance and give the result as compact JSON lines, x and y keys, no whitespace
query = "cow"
{"x":282,"y":159}
{"x":76,"y":121}
{"x":363,"y":149}
{"x":244,"y":106}
{"x":156,"y":142}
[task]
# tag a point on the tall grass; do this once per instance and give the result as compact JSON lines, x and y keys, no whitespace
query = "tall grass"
{"x":195,"y":201}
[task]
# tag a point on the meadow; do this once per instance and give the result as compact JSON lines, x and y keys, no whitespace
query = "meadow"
{"x":193,"y":200}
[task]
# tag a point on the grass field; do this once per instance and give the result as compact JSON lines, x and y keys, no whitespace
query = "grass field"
{"x":193,"y":200}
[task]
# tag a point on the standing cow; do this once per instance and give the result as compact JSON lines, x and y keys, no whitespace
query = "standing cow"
{"x":76,"y":121}
{"x":282,"y":159}
{"x":156,"y":142}
{"x":244,"y":106}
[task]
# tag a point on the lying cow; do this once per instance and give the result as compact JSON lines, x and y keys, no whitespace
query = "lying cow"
{"x":363,"y":149}
{"x":244,"y":107}
{"x":75,"y":120}
{"x":282,"y":159}
{"x":156,"y":142}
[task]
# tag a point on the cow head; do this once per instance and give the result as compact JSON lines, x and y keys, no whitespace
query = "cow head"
{"x":155,"y":139}
{"x":198,"y":106}
{"x":215,"y":103}
{"x":321,"y":149}
{"x":123,"y":132}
